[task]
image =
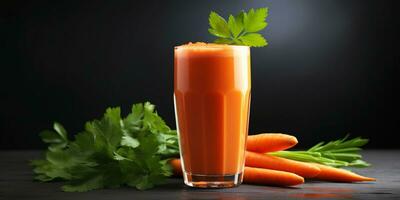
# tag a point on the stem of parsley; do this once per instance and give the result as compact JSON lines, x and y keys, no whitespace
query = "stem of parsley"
{"x":241,"y":34}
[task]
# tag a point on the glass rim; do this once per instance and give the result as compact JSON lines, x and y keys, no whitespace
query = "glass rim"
{"x":209,"y":46}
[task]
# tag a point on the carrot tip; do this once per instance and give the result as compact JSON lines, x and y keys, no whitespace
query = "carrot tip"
{"x":370,"y":179}
{"x":295,"y":141}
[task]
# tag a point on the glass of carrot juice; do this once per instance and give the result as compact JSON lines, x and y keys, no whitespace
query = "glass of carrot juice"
{"x":212,"y":101}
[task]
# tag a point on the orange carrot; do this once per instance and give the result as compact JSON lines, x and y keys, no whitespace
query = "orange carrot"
{"x":269,"y":142}
{"x":176,"y":166}
{"x":339,"y":175}
{"x":271,"y":177}
{"x":256,"y":175}
{"x":259,"y":160}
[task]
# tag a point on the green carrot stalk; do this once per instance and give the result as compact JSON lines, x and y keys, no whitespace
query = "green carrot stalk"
{"x":339,"y":153}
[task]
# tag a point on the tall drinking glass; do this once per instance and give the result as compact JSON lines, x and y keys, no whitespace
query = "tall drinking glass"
{"x":212,"y":101}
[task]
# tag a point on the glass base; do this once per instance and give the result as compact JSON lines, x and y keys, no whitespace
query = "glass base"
{"x":212,"y":181}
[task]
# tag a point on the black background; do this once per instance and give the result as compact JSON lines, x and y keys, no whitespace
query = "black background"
{"x":331,"y":66}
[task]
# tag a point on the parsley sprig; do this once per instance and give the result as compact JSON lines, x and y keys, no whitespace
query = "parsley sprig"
{"x":110,"y":152}
{"x":338,"y":153}
{"x":241,"y":29}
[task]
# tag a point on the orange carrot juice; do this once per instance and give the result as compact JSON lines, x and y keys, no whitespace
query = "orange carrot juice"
{"x":212,"y":99}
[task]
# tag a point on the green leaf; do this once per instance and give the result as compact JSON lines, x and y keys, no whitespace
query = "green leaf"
{"x":114,"y":115}
{"x":216,"y":33}
{"x":120,"y":157}
{"x":85,"y":142}
{"x":46,"y":171}
{"x":359,"y":163}
{"x":218,"y":25}
{"x":51,"y":137}
{"x":59,"y":158}
{"x":133,"y":121}
{"x":129,"y":141}
{"x":239,"y":19}
{"x":89,"y":183}
{"x":356,"y":142}
{"x":346,"y":150}
{"x":235,"y":27}
{"x":57,"y":139}
{"x":316,"y":146}
{"x":348,"y":157}
{"x":60,"y":130}
{"x":253,"y":39}
{"x":254,"y":21}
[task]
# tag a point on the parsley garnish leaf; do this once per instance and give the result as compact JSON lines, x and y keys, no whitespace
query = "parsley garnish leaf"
{"x":254,"y":21}
{"x":254,"y":40}
{"x":240,"y":29}
{"x":219,"y":27}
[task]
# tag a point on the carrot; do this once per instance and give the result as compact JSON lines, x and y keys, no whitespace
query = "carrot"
{"x":259,"y":160}
{"x":256,"y":175}
{"x":339,"y":175}
{"x":271,"y":177}
{"x":176,"y":166}
{"x":269,"y":142}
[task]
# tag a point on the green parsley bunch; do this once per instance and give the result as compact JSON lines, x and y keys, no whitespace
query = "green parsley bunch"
{"x":110,"y":152}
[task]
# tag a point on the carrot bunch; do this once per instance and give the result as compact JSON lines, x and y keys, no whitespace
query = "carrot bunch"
{"x":263,"y":166}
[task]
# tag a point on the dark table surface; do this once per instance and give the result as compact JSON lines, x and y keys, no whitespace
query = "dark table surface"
{"x":16,"y":183}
